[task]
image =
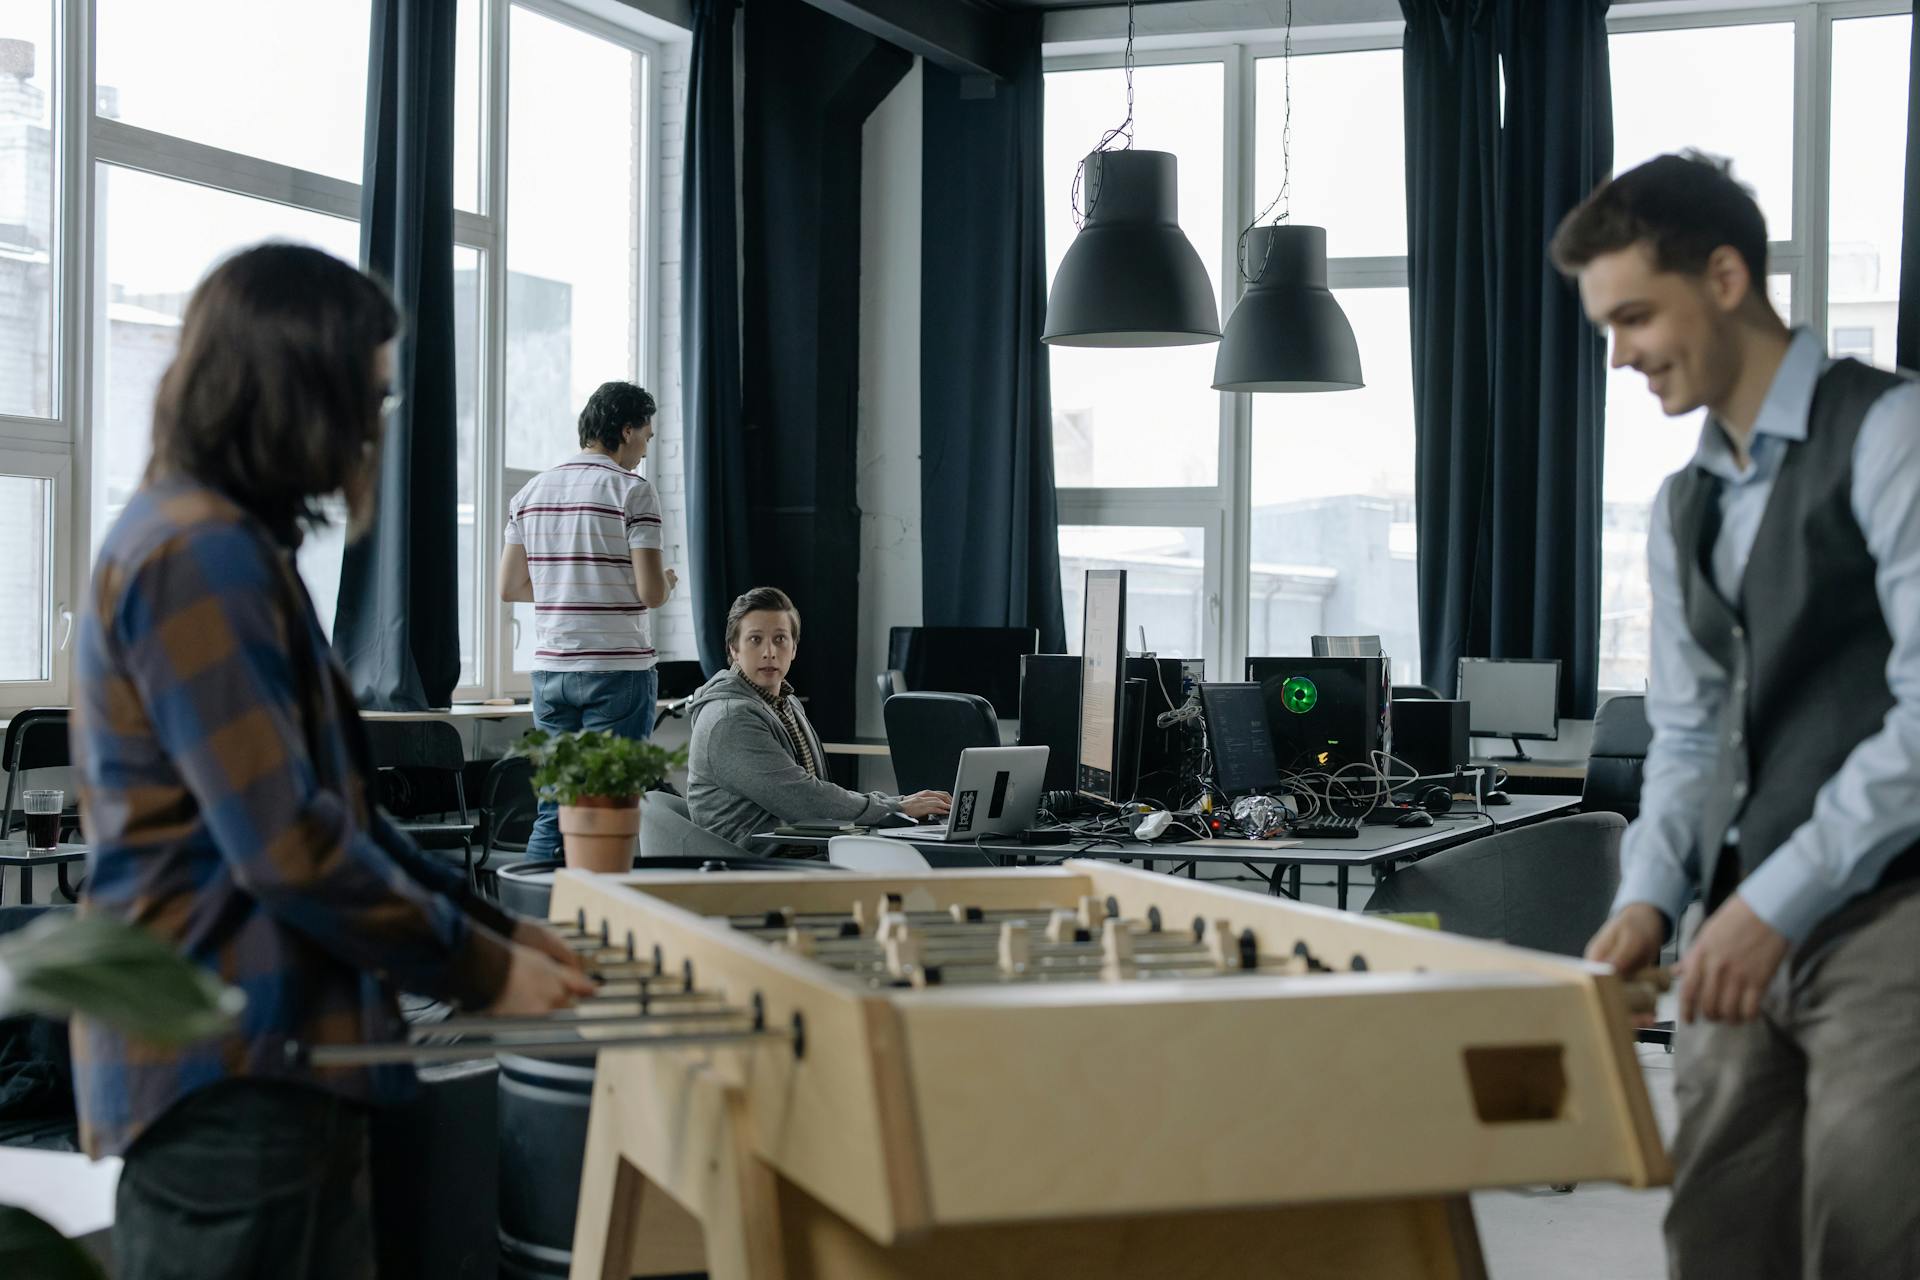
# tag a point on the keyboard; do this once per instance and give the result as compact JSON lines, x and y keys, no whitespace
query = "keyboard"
{"x":1326,"y":827}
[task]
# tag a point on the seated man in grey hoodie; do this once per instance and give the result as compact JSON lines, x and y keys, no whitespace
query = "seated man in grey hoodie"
{"x":755,"y":761}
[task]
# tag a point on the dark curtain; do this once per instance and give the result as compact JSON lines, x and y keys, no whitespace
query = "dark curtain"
{"x":990,"y":547}
{"x":1508,"y":374}
{"x":397,"y":631}
{"x":812,"y":81}
{"x":1451,"y":69}
{"x":1549,"y":361}
{"x":717,"y":528}
{"x":1906,"y":343}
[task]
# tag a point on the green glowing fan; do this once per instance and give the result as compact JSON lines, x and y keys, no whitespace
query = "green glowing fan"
{"x":1299,"y":695}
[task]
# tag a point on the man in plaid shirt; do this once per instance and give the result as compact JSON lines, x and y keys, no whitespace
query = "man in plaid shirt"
{"x":223,"y":782}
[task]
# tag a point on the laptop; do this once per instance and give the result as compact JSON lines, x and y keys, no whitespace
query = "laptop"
{"x":996,"y":793}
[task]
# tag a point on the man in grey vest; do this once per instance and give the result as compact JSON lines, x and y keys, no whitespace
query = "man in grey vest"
{"x":1783,"y":782}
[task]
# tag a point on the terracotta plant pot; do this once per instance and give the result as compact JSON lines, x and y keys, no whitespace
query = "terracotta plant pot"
{"x":600,"y":833}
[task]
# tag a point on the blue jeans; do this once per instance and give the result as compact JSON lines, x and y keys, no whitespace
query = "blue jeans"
{"x":563,"y":701}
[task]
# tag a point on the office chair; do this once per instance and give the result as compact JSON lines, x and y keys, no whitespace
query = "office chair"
{"x":666,"y":831}
{"x":1346,"y":647}
{"x":926,"y":732}
{"x":1547,"y":886}
{"x":875,"y":853}
{"x":37,"y":739}
{"x":427,"y":749}
{"x":1615,"y":767}
{"x":890,"y":682}
{"x":1618,"y":758}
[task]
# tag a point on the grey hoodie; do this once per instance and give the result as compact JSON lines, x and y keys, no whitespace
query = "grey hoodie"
{"x":742,"y":775}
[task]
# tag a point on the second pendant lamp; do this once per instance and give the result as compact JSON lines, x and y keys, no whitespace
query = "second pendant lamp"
{"x":1288,"y":333}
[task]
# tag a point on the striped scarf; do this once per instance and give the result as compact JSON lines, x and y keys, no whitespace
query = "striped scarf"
{"x":781,"y":704}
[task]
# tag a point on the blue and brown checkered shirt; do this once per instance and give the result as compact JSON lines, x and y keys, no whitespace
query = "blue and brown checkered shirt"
{"x":223,"y":790}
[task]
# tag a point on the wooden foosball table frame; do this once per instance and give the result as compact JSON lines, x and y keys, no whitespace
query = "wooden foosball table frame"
{"x":1261,"y":1120}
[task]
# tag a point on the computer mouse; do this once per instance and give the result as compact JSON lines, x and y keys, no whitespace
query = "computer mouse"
{"x":1414,"y":818}
{"x":1498,"y":797}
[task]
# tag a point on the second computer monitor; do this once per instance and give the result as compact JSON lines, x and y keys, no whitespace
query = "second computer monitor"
{"x":1239,"y":738}
{"x":1103,"y":654}
{"x":1512,"y":698}
{"x":979,"y":660}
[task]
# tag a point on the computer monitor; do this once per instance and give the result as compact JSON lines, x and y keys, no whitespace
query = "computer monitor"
{"x":1512,"y":698}
{"x":1239,"y":738}
{"x":1151,"y":762}
{"x":1103,"y":667}
{"x":978,"y":660}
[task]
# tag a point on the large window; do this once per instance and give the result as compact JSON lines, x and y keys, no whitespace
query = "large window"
{"x":29,"y":80}
{"x":1331,"y":528}
{"x":215,"y":124}
{"x":1296,"y":516}
{"x":574,"y":190}
{"x":1138,"y":417}
{"x":1739,"y":90}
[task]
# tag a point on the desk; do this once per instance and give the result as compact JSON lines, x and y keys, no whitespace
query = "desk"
{"x":14,"y":853}
{"x":458,"y":712}
{"x":1539,"y":768}
{"x":1373,"y":847}
{"x":858,"y":747}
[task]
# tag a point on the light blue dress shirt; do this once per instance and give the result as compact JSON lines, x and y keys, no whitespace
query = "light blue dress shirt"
{"x":1869,"y":811}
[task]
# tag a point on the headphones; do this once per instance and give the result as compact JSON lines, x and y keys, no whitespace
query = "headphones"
{"x":1434,"y":799}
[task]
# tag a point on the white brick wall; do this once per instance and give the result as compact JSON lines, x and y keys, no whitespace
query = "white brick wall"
{"x":673,"y":623}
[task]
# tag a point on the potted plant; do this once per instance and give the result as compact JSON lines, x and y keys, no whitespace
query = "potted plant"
{"x":125,"y":977}
{"x":597,"y":779}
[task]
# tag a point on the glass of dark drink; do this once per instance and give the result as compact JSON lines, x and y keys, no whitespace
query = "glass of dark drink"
{"x":42,"y":808}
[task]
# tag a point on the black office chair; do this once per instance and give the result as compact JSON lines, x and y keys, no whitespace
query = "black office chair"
{"x":678,"y":680}
{"x":1618,"y":758}
{"x":926,"y":732}
{"x":432,"y":752}
{"x":1547,"y":886}
{"x":508,"y":808}
{"x":1425,"y":691}
{"x":1615,"y":767}
{"x":38,"y":739}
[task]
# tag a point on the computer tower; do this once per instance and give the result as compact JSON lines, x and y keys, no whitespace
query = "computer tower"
{"x":1150,"y":761}
{"x":1050,"y":713}
{"x":1430,"y":734}
{"x":1325,"y":713}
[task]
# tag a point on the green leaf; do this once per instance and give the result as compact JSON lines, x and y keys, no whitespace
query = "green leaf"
{"x":115,"y":972}
{"x":567,"y":766}
{"x":31,"y":1249}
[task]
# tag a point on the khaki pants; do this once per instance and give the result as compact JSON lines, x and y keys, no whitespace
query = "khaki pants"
{"x":1798,"y":1153}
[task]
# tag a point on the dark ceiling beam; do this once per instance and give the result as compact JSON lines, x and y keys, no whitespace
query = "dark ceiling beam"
{"x":960,"y":35}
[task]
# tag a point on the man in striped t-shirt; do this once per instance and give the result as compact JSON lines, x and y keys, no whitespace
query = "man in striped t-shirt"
{"x":583,"y":545}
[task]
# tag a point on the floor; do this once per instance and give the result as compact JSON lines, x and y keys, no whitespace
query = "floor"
{"x":1596,"y":1230}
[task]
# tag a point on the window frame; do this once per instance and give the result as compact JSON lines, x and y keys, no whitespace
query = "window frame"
{"x":52,"y":462}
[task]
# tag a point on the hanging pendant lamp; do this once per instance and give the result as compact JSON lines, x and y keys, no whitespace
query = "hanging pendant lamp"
{"x":1130,"y":278}
{"x":1288,"y":333}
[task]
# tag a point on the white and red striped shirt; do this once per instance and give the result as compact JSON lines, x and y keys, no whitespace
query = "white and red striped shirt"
{"x":579,"y":522}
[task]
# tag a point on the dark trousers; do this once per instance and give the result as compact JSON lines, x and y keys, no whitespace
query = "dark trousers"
{"x":1799,"y":1132}
{"x":247,"y":1178}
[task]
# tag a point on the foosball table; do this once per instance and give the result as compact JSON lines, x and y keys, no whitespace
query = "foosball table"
{"x":1083,"y":1070}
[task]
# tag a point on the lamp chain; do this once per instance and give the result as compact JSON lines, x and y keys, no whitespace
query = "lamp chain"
{"x":1283,"y":199}
{"x":1122,"y":130}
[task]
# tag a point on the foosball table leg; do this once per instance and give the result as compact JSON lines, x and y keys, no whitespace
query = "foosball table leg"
{"x":721,"y":1212}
